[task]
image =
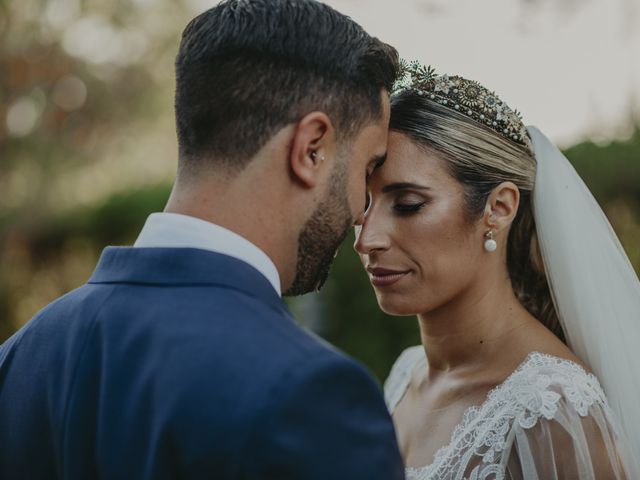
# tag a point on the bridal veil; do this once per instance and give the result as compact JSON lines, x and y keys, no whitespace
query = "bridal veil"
{"x":594,"y":288}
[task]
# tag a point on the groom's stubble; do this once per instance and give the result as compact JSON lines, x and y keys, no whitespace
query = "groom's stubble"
{"x":323,"y":234}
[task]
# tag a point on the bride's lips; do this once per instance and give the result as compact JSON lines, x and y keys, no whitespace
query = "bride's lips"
{"x":383,"y":277}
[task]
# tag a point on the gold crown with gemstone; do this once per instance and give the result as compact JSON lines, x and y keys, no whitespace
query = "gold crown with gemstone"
{"x":465,"y":96}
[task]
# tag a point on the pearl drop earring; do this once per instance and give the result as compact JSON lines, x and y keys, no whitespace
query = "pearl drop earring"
{"x":490,"y":244}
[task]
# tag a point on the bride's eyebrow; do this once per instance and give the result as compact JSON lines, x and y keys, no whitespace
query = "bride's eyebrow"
{"x":403,"y":186}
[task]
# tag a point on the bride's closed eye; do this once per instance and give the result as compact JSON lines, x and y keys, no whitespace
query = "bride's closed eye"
{"x":409,"y":204}
{"x":408,"y":208}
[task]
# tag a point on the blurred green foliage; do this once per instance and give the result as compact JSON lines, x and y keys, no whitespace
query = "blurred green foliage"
{"x":87,"y":151}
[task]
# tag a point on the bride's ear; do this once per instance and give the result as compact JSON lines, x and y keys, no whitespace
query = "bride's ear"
{"x":502,"y":207}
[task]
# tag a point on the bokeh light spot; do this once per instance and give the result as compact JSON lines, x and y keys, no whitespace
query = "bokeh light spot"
{"x":22,"y":117}
{"x":70,"y":93}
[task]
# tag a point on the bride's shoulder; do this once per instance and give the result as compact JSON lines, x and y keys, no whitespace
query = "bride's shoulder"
{"x":551,"y":408}
{"x":400,"y":374}
{"x":543,"y":383}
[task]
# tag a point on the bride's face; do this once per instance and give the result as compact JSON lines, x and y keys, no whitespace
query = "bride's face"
{"x":420,"y":249}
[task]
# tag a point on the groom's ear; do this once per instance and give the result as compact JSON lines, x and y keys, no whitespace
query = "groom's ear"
{"x":313,"y":149}
{"x":502,"y":206}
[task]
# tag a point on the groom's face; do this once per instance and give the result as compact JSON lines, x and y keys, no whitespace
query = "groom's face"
{"x":341,"y":206}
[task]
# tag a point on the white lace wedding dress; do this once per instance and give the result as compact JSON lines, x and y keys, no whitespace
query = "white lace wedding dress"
{"x":548,"y":420}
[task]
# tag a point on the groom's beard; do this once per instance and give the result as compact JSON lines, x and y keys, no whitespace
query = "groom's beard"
{"x":321,"y":236}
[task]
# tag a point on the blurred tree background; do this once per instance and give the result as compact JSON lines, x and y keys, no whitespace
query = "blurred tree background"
{"x":88,"y":150}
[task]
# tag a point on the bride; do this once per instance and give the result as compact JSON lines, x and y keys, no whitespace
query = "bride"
{"x":528,"y":308}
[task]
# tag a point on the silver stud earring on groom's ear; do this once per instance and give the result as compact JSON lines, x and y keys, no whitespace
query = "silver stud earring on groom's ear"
{"x":314,"y":156}
{"x":490,"y":244}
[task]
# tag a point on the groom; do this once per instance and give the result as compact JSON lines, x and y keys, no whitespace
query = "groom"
{"x":179,"y":359}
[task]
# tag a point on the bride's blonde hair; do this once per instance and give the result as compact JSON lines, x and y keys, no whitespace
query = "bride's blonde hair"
{"x":480,"y":159}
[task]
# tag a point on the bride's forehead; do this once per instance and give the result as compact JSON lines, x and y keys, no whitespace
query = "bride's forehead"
{"x":402,"y":146}
{"x":406,"y":159}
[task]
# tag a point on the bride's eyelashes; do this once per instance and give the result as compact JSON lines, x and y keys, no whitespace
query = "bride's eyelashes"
{"x":407,"y":204}
{"x":408,"y":207}
{"x":401,"y":205}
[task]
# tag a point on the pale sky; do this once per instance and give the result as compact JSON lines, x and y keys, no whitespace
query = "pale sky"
{"x":572,"y":67}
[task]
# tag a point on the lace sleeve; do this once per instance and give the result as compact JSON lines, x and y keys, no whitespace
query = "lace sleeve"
{"x":549,"y":420}
{"x":573,"y":444}
{"x":568,"y":432}
{"x":396,"y":383}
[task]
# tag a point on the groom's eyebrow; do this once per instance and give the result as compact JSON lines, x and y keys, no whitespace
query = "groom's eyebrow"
{"x":403,"y":186}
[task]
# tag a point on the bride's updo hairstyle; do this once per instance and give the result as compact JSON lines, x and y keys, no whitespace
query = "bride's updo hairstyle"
{"x":481,"y":154}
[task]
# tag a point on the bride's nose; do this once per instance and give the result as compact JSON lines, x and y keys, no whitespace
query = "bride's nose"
{"x":370,"y":236}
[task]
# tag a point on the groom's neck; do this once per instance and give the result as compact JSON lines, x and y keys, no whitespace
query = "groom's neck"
{"x":249,"y":205}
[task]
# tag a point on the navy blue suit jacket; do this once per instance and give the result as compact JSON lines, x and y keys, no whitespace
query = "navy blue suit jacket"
{"x":183,"y":363}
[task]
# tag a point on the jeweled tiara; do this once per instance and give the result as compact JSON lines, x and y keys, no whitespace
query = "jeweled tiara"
{"x":465,"y":96}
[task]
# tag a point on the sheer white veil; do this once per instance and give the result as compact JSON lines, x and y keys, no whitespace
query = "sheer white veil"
{"x":594,"y":287}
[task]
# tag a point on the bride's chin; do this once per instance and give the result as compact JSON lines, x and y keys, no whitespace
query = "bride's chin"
{"x":396,"y":307}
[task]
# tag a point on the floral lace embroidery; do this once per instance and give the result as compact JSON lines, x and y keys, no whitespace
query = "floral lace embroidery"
{"x":531,"y":392}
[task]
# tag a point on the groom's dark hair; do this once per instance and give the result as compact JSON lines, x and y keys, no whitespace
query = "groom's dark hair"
{"x":247,"y":68}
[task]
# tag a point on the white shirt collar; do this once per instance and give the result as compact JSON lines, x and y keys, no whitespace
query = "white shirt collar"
{"x":172,"y":230}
